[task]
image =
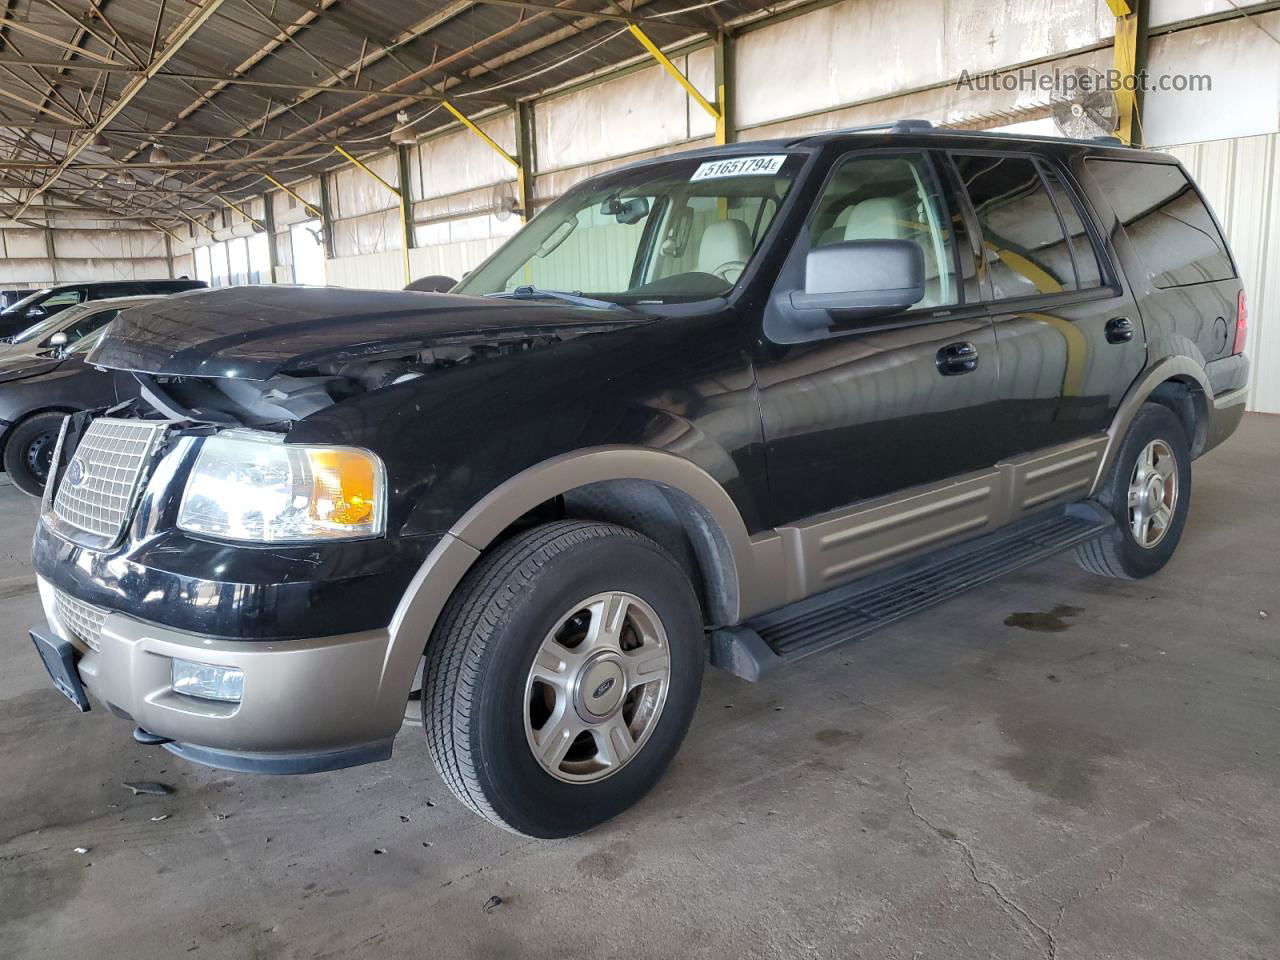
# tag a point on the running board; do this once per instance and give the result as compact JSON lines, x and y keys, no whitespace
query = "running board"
{"x":856,"y":609}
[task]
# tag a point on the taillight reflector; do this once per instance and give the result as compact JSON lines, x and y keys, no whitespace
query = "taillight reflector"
{"x":1242,"y":324}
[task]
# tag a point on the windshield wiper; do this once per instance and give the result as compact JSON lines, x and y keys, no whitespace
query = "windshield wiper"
{"x":530,"y":292}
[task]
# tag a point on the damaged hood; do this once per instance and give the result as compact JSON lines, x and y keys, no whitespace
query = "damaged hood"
{"x":256,"y":332}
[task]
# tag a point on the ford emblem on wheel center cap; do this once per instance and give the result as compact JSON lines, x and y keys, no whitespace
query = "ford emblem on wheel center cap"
{"x":601,"y":690}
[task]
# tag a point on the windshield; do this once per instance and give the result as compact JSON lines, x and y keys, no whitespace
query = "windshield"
{"x":39,"y":329}
{"x":85,"y":344}
{"x":664,"y":233}
{"x":24,"y":302}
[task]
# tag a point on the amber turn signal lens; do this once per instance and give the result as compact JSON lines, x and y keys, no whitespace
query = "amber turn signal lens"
{"x":345,"y":487}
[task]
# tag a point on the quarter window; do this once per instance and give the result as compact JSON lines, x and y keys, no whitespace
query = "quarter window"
{"x":1166,"y":220}
{"x":890,"y":198}
{"x":1024,"y":244}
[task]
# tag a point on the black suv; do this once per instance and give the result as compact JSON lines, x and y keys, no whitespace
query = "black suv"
{"x":741,"y":403}
{"x":39,"y":305}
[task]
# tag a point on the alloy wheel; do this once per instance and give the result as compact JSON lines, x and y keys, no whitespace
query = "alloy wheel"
{"x":597,"y":686}
{"x":1153,"y":493}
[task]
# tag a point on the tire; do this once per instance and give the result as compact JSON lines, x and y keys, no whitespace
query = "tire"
{"x":1119,"y":554}
{"x":28,"y":452}
{"x":482,"y":702}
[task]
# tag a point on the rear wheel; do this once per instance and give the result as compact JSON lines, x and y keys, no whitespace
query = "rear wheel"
{"x":28,"y":453}
{"x":562,"y":677}
{"x":1148,"y":491}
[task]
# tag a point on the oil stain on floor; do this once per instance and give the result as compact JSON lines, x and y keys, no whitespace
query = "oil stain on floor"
{"x":1055,"y":621}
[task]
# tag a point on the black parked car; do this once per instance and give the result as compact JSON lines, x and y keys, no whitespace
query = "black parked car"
{"x":45,"y":303}
{"x":745,"y":402}
{"x":43,"y":377}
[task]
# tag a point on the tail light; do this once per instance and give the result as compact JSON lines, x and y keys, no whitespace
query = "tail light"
{"x":1242,"y":324}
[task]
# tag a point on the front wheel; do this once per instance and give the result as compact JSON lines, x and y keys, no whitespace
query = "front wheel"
{"x":1148,"y":491}
{"x":562,"y":677}
{"x":28,"y":453}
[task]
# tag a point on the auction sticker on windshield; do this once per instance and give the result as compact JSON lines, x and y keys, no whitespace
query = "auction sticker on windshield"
{"x":739,"y":167}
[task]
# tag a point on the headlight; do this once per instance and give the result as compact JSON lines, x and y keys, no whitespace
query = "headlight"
{"x":254,"y":487}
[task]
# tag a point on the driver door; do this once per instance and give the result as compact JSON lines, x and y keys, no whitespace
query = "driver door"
{"x":873,"y":408}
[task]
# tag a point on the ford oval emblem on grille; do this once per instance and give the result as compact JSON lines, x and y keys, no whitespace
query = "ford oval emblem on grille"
{"x":75,"y":473}
{"x":601,"y":690}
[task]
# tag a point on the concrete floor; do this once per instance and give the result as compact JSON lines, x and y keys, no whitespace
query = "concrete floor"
{"x":1100,"y":782}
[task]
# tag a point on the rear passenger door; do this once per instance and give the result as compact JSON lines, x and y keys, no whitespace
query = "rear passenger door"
{"x":1069,"y":337}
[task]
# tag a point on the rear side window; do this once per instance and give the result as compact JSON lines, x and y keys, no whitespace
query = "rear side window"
{"x":1166,"y":220}
{"x":1088,"y":270}
{"x":1024,"y":243}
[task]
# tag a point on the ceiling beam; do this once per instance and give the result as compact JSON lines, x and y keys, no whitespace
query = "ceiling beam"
{"x":172,"y":44}
{"x":311,"y":88}
{"x":171,"y":165}
{"x":418,"y":77}
{"x":247,"y":64}
{"x":656,"y":20}
{"x":20,"y":27}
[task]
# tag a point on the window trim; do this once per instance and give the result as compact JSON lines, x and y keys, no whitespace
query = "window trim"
{"x":1063,"y":297}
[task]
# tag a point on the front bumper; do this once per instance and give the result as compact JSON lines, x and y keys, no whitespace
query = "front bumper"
{"x":308,"y":704}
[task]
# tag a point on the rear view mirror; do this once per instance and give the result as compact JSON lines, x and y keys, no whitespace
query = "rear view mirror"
{"x":58,"y":339}
{"x":626,"y":212}
{"x":859,"y":280}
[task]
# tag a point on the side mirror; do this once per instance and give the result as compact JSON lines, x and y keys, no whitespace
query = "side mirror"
{"x":58,"y":339}
{"x":36,"y":313}
{"x":859,"y":280}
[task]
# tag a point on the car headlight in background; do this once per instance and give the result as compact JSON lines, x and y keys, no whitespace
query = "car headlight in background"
{"x":254,"y":487}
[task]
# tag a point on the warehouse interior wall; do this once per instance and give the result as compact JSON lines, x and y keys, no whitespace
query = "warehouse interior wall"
{"x":68,"y":248}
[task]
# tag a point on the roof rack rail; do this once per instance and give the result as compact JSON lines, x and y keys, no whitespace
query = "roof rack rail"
{"x":897,"y":126}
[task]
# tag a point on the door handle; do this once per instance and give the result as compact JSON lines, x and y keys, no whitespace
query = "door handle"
{"x":1119,"y":330}
{"x":957,"y":358}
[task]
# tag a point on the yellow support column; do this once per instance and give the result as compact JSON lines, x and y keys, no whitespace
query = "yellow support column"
{"x":1129,"y":61}
{"x":404,"y":211}
{"x":715,"y":112}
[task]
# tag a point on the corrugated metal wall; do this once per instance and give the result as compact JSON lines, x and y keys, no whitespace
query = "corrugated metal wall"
{"x":1241,"y":178}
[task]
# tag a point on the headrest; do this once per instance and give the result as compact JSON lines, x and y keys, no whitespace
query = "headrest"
{"x":724,"y":241}
{"x":880,"y":218}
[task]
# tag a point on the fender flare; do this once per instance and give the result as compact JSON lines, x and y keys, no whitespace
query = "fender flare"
{"x":429,"y":590}
{"x":1170,"y":368}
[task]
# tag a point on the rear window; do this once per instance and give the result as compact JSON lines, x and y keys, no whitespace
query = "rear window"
{"x":1166,"y":220}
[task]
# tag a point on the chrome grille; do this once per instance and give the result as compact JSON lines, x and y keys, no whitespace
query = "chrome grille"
{"x":97,"y":490}
{"x":82,"y":620}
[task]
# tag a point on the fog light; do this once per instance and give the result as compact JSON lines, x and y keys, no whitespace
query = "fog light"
{"x":208,"y":681}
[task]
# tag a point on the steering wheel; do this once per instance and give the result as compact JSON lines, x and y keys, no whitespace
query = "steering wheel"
{"x":725,"y":268}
